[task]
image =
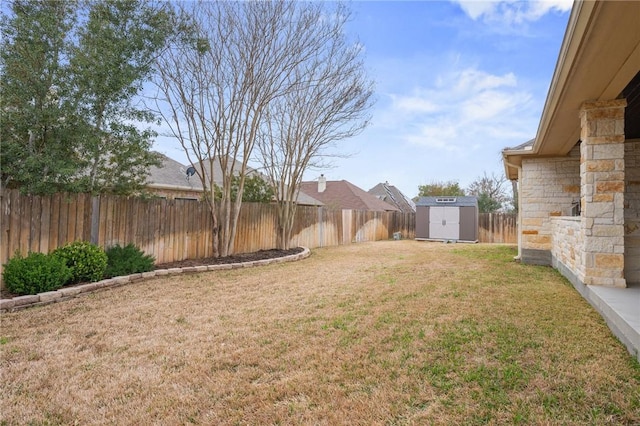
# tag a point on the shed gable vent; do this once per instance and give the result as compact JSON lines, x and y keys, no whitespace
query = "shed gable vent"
{"x":445,"y":200}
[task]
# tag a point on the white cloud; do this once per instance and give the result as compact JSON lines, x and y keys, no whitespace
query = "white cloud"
{"x":476,"y":9}
{"x":537,"y":9}
{"x":451,"y":125}
{"x":437,"y":135}
{"x":473,"y":80}
{"x":488,"y":105}
{"x":512,"y":11}
{"x":463,"y":107}
{"x":414,"y":104}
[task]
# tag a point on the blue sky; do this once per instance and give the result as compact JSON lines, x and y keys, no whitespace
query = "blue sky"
{"x":456,"y":82}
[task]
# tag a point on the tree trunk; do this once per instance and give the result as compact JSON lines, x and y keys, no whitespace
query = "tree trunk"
{"x":286,"y":216}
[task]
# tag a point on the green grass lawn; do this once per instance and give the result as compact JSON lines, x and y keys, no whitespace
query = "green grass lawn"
{"x":388,"y":333}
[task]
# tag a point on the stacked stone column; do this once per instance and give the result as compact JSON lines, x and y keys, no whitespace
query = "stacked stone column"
{"x":602,"y":192}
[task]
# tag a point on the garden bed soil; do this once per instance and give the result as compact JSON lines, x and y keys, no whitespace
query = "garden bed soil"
{"x":235,"y":258}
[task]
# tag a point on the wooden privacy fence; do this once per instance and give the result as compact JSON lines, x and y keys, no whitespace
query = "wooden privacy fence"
{"x":173,"y":230}
{"x":498,"y":228}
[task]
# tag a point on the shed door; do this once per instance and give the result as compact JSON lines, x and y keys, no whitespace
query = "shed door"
{"x":444,"y":223}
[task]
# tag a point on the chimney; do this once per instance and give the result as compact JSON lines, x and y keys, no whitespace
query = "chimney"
{"x":322,"y":183}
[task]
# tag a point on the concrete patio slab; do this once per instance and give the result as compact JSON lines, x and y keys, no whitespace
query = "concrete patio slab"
{"x":620,"y":307}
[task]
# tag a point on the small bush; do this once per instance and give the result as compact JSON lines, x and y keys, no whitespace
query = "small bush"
{"x":127,"y":260}
{"x":35,"y":273}
{"x":87,"y":261}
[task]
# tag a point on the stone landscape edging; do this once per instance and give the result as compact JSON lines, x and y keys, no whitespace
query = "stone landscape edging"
{"x":66,"y":293}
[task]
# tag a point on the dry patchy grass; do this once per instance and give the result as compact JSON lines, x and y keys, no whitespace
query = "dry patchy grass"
{"x":392,"y":333}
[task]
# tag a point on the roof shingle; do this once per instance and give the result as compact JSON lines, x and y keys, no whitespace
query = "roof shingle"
{"x":392,"y":195}
{"x":342,"y":194}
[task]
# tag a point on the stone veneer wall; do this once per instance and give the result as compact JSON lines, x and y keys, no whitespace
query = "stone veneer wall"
{"x":567,"y":238}
{"x":567,"y":242}
{"x":602,"y":171}
{"x":632,"y":211}
{"x":548,"y":188}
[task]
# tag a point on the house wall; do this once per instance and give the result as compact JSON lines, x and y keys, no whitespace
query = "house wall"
{"x":567,"y":238}
{"x":603,"y":247}
{"x":173,"y":194}
{"x":548,"y":188}
{"x":632,"y":211}
{"x":567,"y":242}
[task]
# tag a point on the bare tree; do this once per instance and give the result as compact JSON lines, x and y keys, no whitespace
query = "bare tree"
{"x":327,"y":100}
{"x":215,"y":88}
{"x":490,"y":192}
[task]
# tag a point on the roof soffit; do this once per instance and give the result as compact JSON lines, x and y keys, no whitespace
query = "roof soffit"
{"x":599,"y":56}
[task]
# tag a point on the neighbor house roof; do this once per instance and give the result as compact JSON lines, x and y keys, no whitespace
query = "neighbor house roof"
{"x":452,"y":201}
{"x":392,"y":195}
{"x":172,"y":174}
{"x":599,"y":60}
{"x":342,"y":194}
{"x":232,"y":167}
{"x":307,"y":200}
{"x":527,"y":146}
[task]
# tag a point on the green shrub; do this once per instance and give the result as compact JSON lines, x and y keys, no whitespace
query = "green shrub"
{"x":35,"y":273}
{"x":127,"y":260}
{"x":87,"y":261}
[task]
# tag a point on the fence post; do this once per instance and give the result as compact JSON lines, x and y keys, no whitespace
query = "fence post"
{"x":492,"y":230}
{"x":320,"y":228}
{"x":95,"y":218}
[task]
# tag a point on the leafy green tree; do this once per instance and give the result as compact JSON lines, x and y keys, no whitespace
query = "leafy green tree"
{"x":486,"y":204}
{"x":123,"y":37}
{"x":37,"y":119}
{"x":440,"y":189}
{"x":72,"y":72}
{"x":256,"y":190}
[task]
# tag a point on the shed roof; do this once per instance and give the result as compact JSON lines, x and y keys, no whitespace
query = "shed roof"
{"x":448,"y":201}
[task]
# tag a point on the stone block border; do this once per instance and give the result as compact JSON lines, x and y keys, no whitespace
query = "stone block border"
{"x":40,"y":299}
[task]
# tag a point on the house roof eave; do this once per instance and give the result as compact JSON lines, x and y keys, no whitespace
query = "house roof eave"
{"x":599,"y":57}
{"x":512,"y":158}
{"x":512,"y":162}
{"x":588,"y":69}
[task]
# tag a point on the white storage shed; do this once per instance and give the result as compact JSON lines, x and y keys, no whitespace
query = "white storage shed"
{"x":447,"y":219}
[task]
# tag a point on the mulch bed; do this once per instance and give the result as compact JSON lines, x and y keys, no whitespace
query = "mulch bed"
{"x":236,"y":258}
